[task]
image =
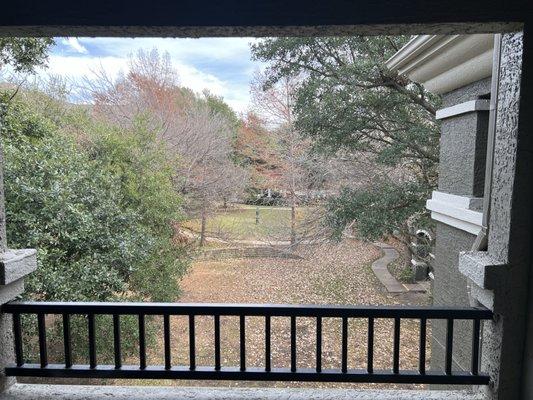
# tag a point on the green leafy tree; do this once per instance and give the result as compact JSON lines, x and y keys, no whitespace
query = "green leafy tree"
{"x":24,"y":54}
{"x":97,"y":200}
{"x":349,"y":102}
{"x":64,"y":204}
{"x":147,"y":173}
{"x":98,"y":203}
{"x":218,"y":106}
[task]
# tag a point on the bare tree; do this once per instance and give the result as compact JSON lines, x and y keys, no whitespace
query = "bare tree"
{"x":276,"y":105}
{"x":203,"y":139}
{"x":195,"y":134}
{"x":150,"y":87}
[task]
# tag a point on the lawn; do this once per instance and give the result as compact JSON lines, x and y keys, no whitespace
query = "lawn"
{"x":239,"y":223}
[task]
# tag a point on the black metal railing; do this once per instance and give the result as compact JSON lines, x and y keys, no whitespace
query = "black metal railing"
{"x":267,"y":372}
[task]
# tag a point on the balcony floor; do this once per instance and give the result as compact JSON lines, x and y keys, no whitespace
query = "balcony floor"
{"x":77,"y":392}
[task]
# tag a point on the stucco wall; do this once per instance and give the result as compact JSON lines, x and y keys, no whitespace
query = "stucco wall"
{"x":450,"y":288}
{"x":510,"y":228}
{"x":465,"y":93}
{"x":463,"y":155}
{"x":463,"y":144}
{"x":462,"y":171}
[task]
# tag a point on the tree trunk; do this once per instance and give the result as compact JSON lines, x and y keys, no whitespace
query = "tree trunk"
{"x":202,"y":230}
{"x":293,"y":219}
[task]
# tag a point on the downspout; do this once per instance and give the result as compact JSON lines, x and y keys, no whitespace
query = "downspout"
{"x":481,"y":242}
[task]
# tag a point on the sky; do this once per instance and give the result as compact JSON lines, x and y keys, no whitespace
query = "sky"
{"x":221,"y":65}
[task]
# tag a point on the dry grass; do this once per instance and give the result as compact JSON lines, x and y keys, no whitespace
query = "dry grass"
{"x":329,"y":274}
{"x":239,"y":223}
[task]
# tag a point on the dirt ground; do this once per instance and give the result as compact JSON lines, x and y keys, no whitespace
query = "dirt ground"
{"x":327,"y":274}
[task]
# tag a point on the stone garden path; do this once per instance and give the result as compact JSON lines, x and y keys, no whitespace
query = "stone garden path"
{"x":380,"y":269}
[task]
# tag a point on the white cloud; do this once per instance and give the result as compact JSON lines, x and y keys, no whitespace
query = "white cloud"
{"x":74,"y":44}
{"x":77,"y":68}
{"x":220,"y":65}
{"x":208,"y":48}
{"x":194,"y":79}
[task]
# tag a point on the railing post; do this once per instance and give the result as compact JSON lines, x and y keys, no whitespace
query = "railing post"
{"x":14,"y":266}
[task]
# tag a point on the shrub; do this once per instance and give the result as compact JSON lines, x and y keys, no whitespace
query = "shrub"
{"x":98,"y":203}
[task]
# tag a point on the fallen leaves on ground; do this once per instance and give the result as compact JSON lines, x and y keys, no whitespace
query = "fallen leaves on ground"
{"x":327,"y":274}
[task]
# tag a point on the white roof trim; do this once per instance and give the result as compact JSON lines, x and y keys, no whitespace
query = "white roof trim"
{"x":416,"y":51}
{"x":444,"y":63}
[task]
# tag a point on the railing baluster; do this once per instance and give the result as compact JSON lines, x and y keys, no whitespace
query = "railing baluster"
{"x":166,"y":339}
{"x":344,"y":345}
{"x":192,"y":343}
{"x":318,"y":344}
{"x":422,"y":347}
{"x":43,"y":353}
{"x":66,"y":340}
{"x":242,"y":331}
{"x":217,"y":342}
{"x":396,"y":348}
{"x":449,"y":346}
{"x":17,"y":333}
{"x":116,"y":341}
{"x":92,"y":341}
{"x":293,"y":343}
{"x":370,"y":346}
{"x":475,"y":346}
{"x":267,"y":343}
{"x":142,"y":342}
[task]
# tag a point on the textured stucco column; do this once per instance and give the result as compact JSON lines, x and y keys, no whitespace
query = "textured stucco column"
{"x":500,"y":275}
{"x":464,"y":119}
{"x":510,"y":233}
{"x":14,"y":266}
{"x":525,"y":167}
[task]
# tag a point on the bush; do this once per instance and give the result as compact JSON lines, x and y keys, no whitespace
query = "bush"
{"x":146,"y":172}
{"x":98,"y":205}
{"x":68,"y":208}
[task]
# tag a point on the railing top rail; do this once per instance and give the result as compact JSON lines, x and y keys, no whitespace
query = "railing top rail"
{"x":281,"y":310}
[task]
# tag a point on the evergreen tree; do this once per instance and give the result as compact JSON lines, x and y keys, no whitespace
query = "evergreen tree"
{"x":349,"y":102}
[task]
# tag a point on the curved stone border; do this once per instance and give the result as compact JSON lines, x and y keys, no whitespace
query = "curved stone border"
{"x":381,"y":270}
